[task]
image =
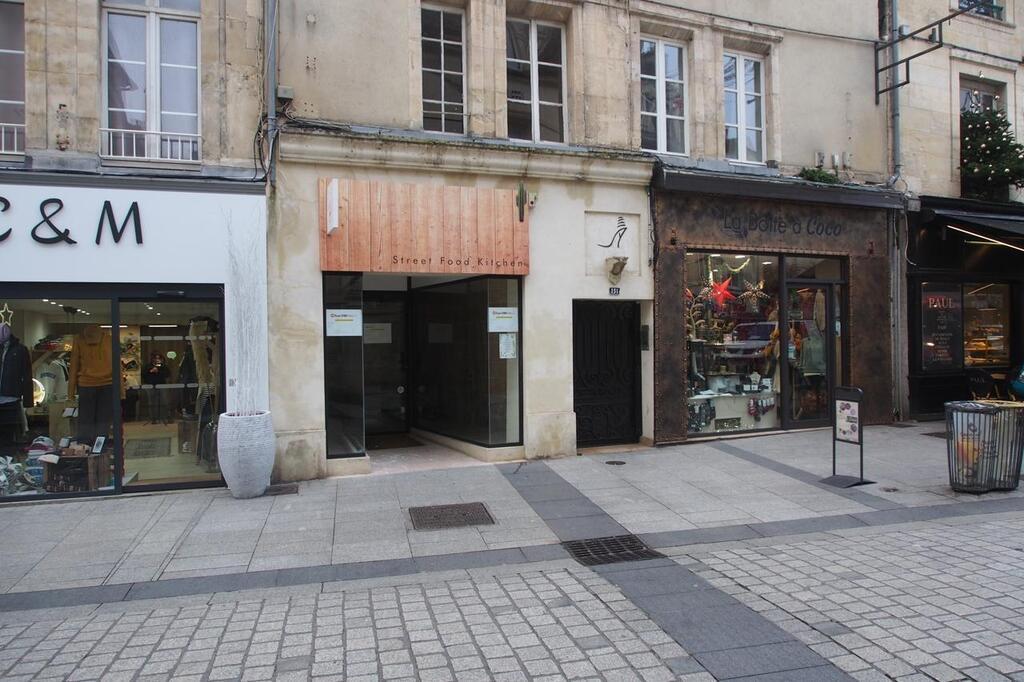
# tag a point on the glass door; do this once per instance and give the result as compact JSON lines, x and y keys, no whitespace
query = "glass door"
{"x":385,"y":362}
{"x":811,"y":348}
{"x":171,"y":393}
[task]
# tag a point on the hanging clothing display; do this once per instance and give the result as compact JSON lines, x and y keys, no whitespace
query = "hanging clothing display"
{"x":91,"y":359}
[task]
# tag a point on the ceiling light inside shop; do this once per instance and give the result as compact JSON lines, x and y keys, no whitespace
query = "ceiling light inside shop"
{"x":737,"y":256}
{"x":766,"y":262}
{"x":46,"y":300}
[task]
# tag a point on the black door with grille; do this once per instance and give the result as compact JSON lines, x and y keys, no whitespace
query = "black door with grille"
{"x":606,"y":372}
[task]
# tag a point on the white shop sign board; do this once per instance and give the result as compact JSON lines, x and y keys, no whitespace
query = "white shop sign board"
{"x":123,"y":235}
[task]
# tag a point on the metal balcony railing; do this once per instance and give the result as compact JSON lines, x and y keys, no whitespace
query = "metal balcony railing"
{"x":149,"y":145}
{"x":12,"y":138}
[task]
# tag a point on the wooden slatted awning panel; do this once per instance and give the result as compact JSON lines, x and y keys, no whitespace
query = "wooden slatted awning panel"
{"x":441,"y":229}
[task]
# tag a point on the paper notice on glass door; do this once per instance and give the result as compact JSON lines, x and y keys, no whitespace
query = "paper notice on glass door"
{"x":507,"y":346}
{"x":347,"y":322}
{"x":503,"y":319}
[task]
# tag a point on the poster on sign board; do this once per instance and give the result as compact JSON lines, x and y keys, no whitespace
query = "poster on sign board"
{"x":848,"y":421}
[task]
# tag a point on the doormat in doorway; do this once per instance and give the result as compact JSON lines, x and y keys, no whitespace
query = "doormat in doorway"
{"x":611,"y":550}
{"x":144,"y":448}
{"x":441,"y":516}
{"x":391,"y":441}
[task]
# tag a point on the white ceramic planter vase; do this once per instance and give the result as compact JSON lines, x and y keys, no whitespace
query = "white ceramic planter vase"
{"x":245,"y":450}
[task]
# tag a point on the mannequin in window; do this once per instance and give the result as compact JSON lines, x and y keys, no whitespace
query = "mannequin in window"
{"x":90,"y":379}
{"x":15,"y":387}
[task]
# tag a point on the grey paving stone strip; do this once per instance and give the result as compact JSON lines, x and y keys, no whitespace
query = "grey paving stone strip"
{"x":867,"y":499}
{"x":723,"y":636}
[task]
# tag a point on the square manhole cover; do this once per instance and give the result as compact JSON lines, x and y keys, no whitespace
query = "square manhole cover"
{"x":442,"y":516}
{"x":611,"y":550}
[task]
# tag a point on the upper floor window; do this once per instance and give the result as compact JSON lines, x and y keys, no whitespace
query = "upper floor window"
{"x":12,"y":77}
{"x":662,"y":96}
{"x":535,"y":71}
{"x":744,"y":108}
{"x":977,"y":96}
{"x":444,"y":80}
{"x":988,"y":8}
{"x":151,"y":78}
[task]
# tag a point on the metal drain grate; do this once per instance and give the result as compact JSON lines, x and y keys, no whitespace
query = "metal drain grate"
{"x":450,"y":516}
{"x":283,"y":489}
{"x":903,"y":425}
{"x":611,"y":550}
{"x":936,"y":434}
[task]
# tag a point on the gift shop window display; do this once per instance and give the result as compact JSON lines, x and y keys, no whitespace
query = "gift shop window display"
{"x":754,"y":364}
{"x":732,"y":327}
{"x":57,"y":397}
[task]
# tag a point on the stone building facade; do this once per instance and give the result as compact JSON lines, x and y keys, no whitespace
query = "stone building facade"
{"x":130,"y":187}
{"x":560,"y":112}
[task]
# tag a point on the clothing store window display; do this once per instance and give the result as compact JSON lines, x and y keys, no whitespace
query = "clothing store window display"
{"x":56,"y":397}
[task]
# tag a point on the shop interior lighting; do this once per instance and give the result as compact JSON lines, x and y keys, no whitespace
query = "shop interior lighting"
{"x":46,"y":300}
{"x":161,"y":326}
{"x":988,"y":240}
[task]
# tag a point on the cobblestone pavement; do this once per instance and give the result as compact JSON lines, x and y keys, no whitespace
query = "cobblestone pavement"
{"x":942,"y":601}
{"x":560,"y":621}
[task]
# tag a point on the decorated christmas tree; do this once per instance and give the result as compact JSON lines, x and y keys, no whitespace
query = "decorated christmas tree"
{"x":990,"y":159}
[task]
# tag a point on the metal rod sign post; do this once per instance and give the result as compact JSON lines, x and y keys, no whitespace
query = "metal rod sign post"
{"x":847,"y":427}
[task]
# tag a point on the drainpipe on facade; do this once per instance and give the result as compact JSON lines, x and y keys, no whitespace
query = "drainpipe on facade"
{"x":270,"y":80}
{"x":898,"y":303}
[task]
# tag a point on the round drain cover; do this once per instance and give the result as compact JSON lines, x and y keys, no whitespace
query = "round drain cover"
{"x":615,"y":462}
{"x":890,"y":490}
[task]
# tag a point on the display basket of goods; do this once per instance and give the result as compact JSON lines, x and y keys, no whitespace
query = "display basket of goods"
{"x":985,"y":442}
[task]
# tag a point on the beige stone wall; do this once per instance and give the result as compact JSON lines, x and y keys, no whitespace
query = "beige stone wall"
{"x":358,"y":62}
{"x":558,"y":273}
{"x":977,"y":48}
{"x":64,"y":79}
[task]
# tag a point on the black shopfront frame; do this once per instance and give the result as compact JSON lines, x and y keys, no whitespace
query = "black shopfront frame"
{"x":411,"y":365}
{"x":945,"y":247}
{"x":837,"y":376}
{"x":942,"y":385}
{"x":116,"y":294}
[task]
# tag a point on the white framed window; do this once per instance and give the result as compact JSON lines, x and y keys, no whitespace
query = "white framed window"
{"x":444,"y":80}
{"x":12,"y":77}
{"x":744,"y":108}
{"x":535,"y":80}
{"x":151,"y":80}
{"x":662,"y":96}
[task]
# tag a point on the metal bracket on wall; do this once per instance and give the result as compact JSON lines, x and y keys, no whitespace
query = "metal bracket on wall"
{"x":935,"y":36}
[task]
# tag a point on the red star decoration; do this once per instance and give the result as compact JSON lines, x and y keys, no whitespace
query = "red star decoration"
{"x":720,"y":292}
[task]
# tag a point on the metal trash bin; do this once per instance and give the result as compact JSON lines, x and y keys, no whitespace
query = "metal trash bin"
{"x":985,"y":442}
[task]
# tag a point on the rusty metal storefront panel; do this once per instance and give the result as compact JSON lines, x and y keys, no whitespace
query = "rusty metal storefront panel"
{"x":760,"y":226}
